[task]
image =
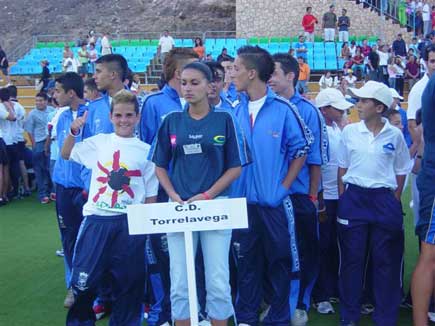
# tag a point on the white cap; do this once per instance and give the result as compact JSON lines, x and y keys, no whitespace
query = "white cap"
{"x":332,"y":97}
{"x":394,"y":94}
{"x":373,"y":90}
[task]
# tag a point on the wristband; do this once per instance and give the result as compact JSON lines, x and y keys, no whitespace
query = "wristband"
{"x":206,"y":195}
{"x":75,"y":133}
{"x":312,"y":198}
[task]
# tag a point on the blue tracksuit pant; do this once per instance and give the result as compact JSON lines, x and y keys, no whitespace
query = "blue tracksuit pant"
{"x":104,"y":247}
{"x":307,"y":231}
{"x":370,"y":220}
{"x":267,"y":247}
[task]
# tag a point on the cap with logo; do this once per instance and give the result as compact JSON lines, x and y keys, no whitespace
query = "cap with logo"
{"x":373,"y":90}
{"x":332,"y":97}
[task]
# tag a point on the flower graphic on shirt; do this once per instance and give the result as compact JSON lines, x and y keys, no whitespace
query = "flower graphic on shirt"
{"x":118,"y":179}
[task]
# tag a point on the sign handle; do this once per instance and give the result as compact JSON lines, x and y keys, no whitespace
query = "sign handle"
{"x":191,"y":278}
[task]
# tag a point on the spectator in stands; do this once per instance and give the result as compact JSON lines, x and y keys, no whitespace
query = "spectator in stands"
{"x":91,"y":38}
{"x":358,"y":63}
{"x":91,"y":92}
{"x":350,"y":78}
{"x":66,"y":52}
{"x":412,"y":71}
{"x":4,"y":66}
{"x":352,"y":48}
{"x":106,"y":47}
{"x":414,"y":46}
{"x":304,"y":76}
{"x":399,"y":46}
{"x":83,"y":60}
{"x":224,"y":56}
{"x":383,"y":61}
{"x":329,"y":23}
{"x":432,"y":15}
{"x":45,"y":75}
{"x":308,"y":22}
{"x":291,"y":51}
{"x":426,"y":14}
{"x":348,"y":63}
{"x":343,"y":26}
{"x":345,"y":51}
{"x":301,"y":48}
{"x":365,"y":48}
{"x":93,"y":56}
{"x":36,"y":126}
{"x":338,"y":78}
{"x":418,"y":23}
{"x":391,"y":73}
{"x":199,"y":48}
{"x":326,"y":81}
{"x":70,"y":64}
{"x":229,"y":88}
{"x":374,"y":71}
{"x":399,"y":66}
{"x":166,"y":43}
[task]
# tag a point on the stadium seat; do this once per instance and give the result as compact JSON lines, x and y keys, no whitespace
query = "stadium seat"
{"x":187,"y":43}
{"x":178,"y":43}
{"x":253,"y":40}
{"x":285,"y":39}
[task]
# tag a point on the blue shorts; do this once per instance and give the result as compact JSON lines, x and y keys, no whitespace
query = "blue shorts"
{"x":425,"y":228}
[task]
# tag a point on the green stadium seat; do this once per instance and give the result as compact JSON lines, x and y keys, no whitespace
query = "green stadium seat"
{"x":124,"y":42}
{"x":285,"y":39}
{"x":264,"y":40}
{"x":155,"y":42}
{"x":116,"y":43}
{"x":134,"y":42}
{"x":275,"y":40}
{"x":253,"y":40}
{"x":40,"y":45}
{"x":144,"y":42}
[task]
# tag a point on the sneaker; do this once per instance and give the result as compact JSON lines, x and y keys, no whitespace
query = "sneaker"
{"x":53,"y":196}
{"x":300,"y":318}
{"x":334,"y":300}
{"x":325,"y":308}
{"x":146,"y":311}
{"x":204,"y":322}
{"x":59,"y":253}
{"x":69,"y":299}
{"x":431,"y":316}
{"x":244,"y":324}
{"x":26,"y":193}
{"x":167,"y":324}
{"x":99,"y":311}
{"x":45,"y":200}
{"x":367,"y":308}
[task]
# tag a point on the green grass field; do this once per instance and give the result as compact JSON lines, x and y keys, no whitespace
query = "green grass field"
{"x":32,"y":286}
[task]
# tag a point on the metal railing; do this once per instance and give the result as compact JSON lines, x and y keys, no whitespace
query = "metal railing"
{"x":21,"y":49}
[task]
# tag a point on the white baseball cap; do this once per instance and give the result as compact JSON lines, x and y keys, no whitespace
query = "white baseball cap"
{"x":332,"y":97}
{"x":373,"y":90}
{"x":394,"y":94}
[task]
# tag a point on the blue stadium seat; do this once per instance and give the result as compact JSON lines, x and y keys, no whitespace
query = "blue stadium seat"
{"x":187,"y":43}
{"x":178,"y":42}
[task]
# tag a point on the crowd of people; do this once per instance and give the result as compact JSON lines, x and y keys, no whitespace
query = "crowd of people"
{"x":324,"y":195}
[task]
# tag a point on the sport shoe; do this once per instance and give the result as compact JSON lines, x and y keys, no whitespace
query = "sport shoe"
{"x":204,"y":322}
{"x":244,"y":324}
{"x":99,"y":311}
{"x":45,"y":200}
{"x":264,"y":312}
{"x":367,"y":308}
{"x":69,"y":299}
{"x":431,"y":316}
{"x":300,"y":318}
{"x":167,"y":324}
{"x":59,"y":253}
{"x":53,"y":196}
{"x":325,"y":308}
{"x":334,"y":300}
{"x":347,"y":323}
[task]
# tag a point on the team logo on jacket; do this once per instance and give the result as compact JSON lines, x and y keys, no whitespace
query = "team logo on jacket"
{"x":219,"y":140}
{"x":274,"y":134}
{"x":81,"y":282}
{"x":118,"y":180}
{"x":173,"y":139}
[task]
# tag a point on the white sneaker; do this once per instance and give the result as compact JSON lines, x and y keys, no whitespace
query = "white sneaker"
{"x":431,"y":316}
{"x":167,"y":324}
{"x":244,"y":324}
{"x":204,"y":322}
{"x":367,"y":308}
{"x":325,"y":308}
{"x":300,"y":318}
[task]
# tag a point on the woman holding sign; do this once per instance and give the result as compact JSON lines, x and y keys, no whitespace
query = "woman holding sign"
{"x":204,"y":149}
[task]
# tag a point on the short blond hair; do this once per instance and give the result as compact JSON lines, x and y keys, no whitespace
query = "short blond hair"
{"x":125,"y":97}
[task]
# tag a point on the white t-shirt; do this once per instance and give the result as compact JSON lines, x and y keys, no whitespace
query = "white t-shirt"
{"x":121,"y":174}
{"x":329,"y":170}
{"x":93,"y":56}
{"x":326,"y":82}
{"x":383,"y":58}
{"x":414,"y":98}
{"x":166,"y":44}
{"x":105,"y":46}
{"x":70,"y":65}
{"x":350,"y":80}
{"x":8,"y":129}
{"x":352,"y":51}
{"x":254,"y":108}
{"x":20,"y":114}
{"x":373,"y":162}
{"x":426,"y":12}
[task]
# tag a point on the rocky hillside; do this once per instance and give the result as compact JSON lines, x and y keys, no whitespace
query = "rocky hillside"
{"x":22,"y":19}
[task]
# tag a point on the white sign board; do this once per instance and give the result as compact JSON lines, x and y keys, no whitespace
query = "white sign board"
{"x":202,"y":215}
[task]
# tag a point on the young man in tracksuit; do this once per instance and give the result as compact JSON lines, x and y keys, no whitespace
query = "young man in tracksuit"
{"x":304,"y":191}
{"x":67,"y":175}
{"x":373,"y":162}
{"x":155,"y":107}
{"x":277,"y":140}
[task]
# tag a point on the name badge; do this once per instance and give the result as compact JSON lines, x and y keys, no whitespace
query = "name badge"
{"x":192,"y":149}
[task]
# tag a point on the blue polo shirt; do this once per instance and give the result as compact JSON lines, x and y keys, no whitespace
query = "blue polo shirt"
{"x":155,"y":107}
{"x":198,"y":152}
{"x":428,"y":121}
{"x":300,"y":45}
{"x":98,"y":120}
